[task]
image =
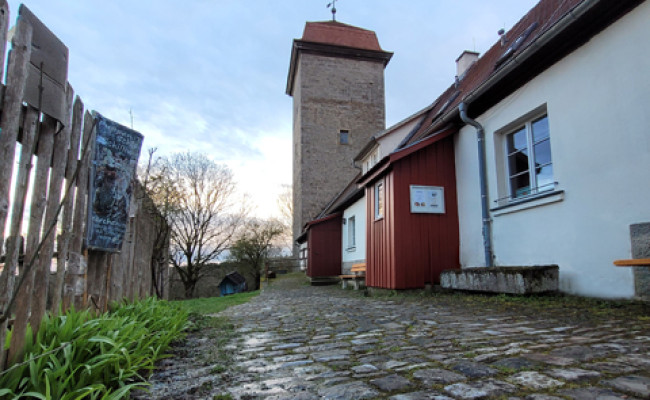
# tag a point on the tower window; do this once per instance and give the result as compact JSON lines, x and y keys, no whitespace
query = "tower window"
{"x":344,"y":136}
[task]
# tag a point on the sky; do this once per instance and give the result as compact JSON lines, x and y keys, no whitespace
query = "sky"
{"x":210,"y":76}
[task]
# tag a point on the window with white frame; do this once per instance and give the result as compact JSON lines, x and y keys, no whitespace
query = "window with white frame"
{"x":352,"y":240}
{"x":379,"y":200}
{"x":529,"y":164}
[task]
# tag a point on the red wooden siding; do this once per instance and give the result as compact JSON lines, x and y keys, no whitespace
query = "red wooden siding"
{"x":324,"y":247}
{"x":407,"y":250}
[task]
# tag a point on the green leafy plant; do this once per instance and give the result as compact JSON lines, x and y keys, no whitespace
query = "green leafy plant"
{"x":77,"y":355}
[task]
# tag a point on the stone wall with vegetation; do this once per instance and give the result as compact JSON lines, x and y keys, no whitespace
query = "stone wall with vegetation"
{"x":208,"y":286}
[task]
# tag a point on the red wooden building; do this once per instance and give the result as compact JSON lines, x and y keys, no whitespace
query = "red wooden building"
{"x":324,"y":246}
{"x":405,"y":249}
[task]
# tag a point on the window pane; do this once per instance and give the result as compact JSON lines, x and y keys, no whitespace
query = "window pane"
{"x":343,"y":137}
{"x":517,"y":163}
{"x":545,"y":178}
{"x":540,"y":129}
{"x":517,"y":141}
{"x":520,"y":185}
{"x":379,"y":200}
{"x":542,"y":153}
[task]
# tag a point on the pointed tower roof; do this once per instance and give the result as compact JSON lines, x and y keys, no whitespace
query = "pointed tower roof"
{"x":336,"y":39}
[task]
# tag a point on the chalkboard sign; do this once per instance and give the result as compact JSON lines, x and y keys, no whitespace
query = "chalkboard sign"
{"x":117,"y":149}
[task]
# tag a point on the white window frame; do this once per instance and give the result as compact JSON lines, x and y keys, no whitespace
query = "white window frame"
{"x":352,"y":240}
{"x":379,"y":200}
{"x":534,"y":190}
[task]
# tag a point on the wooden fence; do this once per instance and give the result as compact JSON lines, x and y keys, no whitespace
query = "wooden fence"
{"x":49,"y":269}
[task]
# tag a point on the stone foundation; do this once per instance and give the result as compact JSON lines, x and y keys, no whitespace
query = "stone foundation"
{"x":640,"y":237}
{"x":511,"y":280}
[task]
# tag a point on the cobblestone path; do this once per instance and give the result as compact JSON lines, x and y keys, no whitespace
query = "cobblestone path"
{"x":300,"y":342}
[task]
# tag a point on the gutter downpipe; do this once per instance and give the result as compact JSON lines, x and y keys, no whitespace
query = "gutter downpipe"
{"x":487,"y":229}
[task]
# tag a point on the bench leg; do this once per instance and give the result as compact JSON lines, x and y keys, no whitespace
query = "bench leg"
{"x":344,"y":283}
{"x":356,"y":284}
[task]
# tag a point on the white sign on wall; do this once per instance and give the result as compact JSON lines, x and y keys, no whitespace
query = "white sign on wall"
{"x":427,"y":199}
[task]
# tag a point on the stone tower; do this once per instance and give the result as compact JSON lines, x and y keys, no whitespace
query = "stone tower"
{"x":336,"y":79}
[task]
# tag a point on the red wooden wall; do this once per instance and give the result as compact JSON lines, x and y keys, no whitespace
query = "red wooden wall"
{"x":406,"y":250}
{"x":324,"y":247}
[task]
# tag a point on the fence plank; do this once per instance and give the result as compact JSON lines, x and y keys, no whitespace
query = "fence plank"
{"x":97,"y":264}
{"x":63,"y":241}
{"x":42,"y":273}
{"x":11,"y":107}
{"x":75,"y":280}
{"x":14,"y":242}
{"x":4,"y":28}
{"x":37,"y":210}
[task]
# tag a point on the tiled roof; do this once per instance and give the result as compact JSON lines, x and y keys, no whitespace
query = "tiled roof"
{"x":338,"y":34}
{"x":538,"y":21}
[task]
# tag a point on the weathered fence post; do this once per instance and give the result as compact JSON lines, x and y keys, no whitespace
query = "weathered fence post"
{"x":28,"y":272}
{"x":11,"y":107}
{"x":42,"y":273}
{"x":75,"y":280}
{"x":4,"y":29}
{"x":9,"y":121}
{"x":63,"y":241}
{"x":14,"y":244}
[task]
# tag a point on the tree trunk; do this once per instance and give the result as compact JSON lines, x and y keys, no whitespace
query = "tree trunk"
{"x":189,"y":289}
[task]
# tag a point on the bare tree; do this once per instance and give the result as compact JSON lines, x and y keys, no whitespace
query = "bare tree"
{"x":162,"y":196}
{"x":285,"y":207}
{"x":197,"y":196}
{"x":253,"y":244}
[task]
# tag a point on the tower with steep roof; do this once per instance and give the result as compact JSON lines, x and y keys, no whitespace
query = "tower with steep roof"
{"x":336,"y":79}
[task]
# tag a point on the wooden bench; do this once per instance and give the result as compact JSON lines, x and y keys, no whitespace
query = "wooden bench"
{"x":636,"y":262}
{"x":358,"y":276}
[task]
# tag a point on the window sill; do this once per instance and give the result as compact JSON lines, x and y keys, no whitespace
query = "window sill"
{"x":529,"y":202}
{"x":351,"y":249}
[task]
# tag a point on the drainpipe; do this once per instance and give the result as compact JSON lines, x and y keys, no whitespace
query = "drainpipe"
{"x":487,"y":230}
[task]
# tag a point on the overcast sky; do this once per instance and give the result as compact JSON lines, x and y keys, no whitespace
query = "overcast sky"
{"x":210,"y":75}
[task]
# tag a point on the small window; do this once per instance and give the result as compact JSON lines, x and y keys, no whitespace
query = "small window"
{"x":344,"y":137}
{"x":379,"y":200}
{"x":352,"y":242}
{"x":529,"y":163}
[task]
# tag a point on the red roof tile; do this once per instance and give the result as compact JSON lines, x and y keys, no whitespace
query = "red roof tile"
{"x":338,"y":34}
{"x":537,"y":21}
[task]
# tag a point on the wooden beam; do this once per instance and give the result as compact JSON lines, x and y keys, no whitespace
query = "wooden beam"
{"x":636,"y":262}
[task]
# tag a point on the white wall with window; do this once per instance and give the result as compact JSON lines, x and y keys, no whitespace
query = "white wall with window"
{"x":354,"y":235}
{"x":568,"y":156}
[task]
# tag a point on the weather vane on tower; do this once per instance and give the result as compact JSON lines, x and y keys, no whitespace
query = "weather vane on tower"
{"x":333,"y":5}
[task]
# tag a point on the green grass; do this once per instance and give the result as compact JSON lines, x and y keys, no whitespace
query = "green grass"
{"x":213,"y":305}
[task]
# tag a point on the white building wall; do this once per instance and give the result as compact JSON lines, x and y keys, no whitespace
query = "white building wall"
{"x":598,"y":103}
{"x":356,"y":254}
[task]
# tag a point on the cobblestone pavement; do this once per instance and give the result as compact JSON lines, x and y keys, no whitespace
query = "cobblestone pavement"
{"x":300,"y":342}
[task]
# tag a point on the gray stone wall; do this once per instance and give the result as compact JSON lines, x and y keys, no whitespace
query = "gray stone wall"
{"x":331,"y":94}
{"x":513,"y":280}
{"x":208,"y":286}
{"x":640,"y":237}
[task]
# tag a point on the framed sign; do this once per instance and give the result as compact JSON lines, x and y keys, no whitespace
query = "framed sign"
{"x":427,"y":199}
{"x":117,"y":149}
